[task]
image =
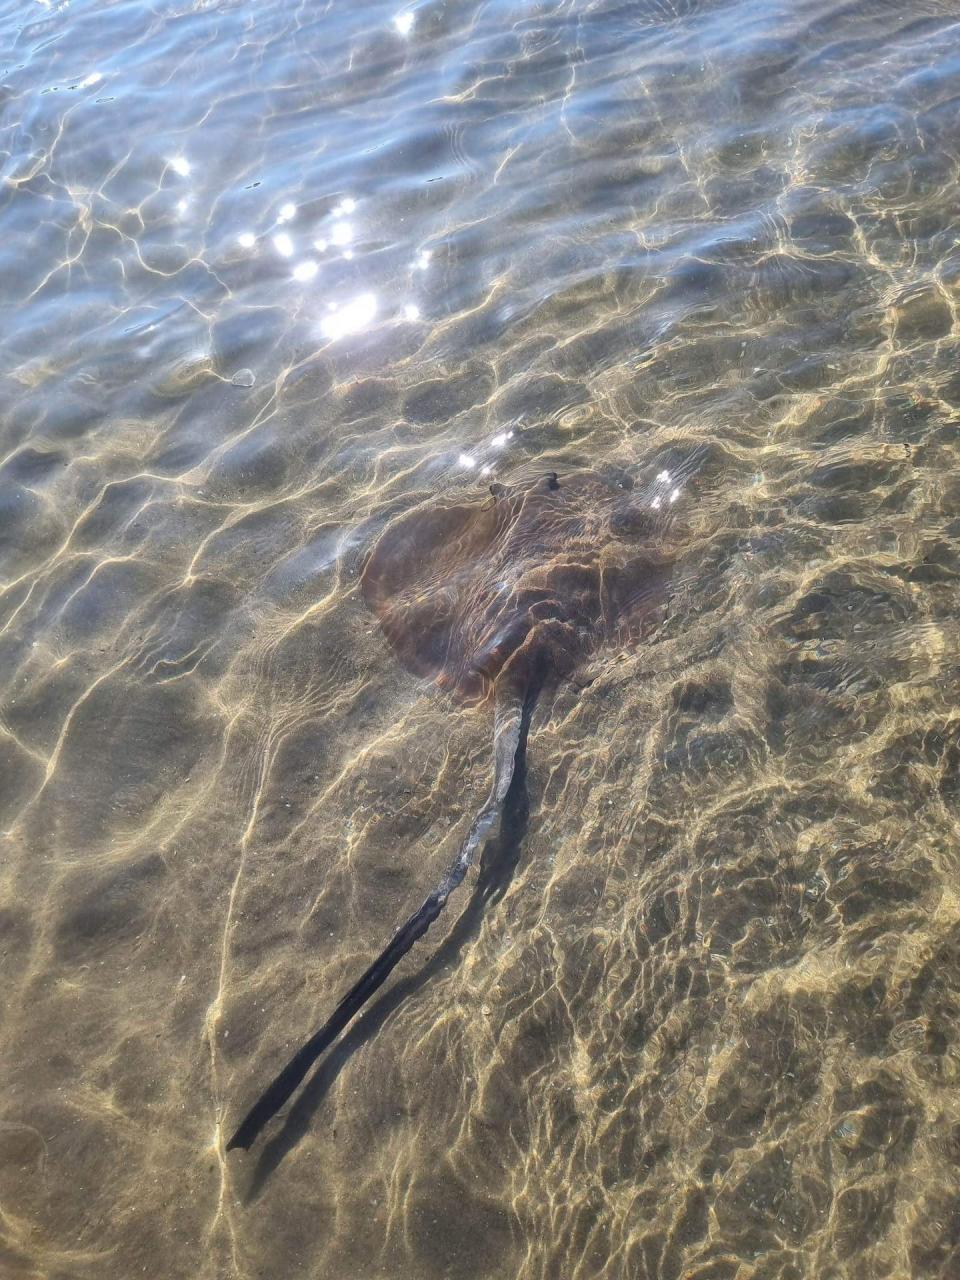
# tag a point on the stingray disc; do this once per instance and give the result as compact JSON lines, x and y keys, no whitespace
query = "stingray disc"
{"x":541,"y":572}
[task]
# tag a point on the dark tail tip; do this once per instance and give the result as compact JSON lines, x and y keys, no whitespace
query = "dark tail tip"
{"x":244,"y":1136}
{"x":253,"y":1122}
{"x":276,"y":1094}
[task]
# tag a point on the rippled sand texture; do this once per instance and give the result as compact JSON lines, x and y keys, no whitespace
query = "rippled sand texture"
{"x":272,"y":273}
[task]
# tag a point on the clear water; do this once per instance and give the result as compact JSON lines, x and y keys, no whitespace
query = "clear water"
{"x":272,"y":272}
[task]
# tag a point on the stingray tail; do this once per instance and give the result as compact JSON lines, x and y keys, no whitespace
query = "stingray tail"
{"x":507,"y":726}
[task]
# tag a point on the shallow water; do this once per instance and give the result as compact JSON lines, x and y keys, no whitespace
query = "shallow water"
{"x":272,"y":273}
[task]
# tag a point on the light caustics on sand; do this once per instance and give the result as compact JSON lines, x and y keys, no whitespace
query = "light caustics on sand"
{"x":649,"y":225}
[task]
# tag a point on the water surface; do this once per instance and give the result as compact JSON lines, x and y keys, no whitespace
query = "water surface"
{"x":272,"y":272}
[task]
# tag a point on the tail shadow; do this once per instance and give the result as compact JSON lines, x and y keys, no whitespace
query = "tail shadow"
{"x":497,"y":864}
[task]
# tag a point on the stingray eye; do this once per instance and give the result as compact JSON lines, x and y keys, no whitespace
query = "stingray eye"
{"x":630,"y":521}
{"x":625,"y":482}
{"x":498,"y":490}
{"x":552,"y":481}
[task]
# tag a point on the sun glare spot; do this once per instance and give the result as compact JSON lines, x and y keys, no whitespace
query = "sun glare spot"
{"x":181,"y":165}
{"x":352,"y":317}
{"x":305,"y":270}
{"x":283,"y":245}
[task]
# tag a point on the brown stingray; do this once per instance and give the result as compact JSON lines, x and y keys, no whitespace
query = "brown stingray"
{"x":478,"y":591}
{"x":492,"y":594}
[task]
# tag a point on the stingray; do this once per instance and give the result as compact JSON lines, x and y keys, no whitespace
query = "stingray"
{"x":493,"y":595}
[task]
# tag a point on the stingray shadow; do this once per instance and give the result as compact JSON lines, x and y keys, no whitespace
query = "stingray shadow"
{"x":497,"y":864}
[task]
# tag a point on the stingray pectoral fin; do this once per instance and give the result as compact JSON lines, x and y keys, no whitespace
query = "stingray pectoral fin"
{"x":506,"y":739}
